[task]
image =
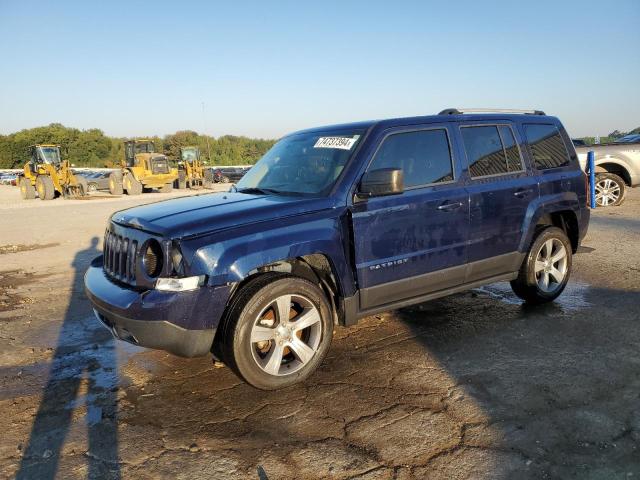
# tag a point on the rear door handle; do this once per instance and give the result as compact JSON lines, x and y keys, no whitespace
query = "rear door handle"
{"x":522,"y":192}
{"x":449,"y":206}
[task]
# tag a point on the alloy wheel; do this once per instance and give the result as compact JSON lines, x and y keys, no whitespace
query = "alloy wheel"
{"x":551,"y":265}
{"x":286,"y":335}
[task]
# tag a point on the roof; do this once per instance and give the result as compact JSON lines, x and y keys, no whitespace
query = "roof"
{"x":538,"y":117}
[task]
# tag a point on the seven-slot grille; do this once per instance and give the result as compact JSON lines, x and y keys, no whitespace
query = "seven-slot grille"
{"x":120,"y":257}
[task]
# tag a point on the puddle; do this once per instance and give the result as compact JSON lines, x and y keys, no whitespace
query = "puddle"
{"x":571,"y":299}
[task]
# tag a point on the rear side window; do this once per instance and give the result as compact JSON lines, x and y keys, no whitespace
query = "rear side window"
{"x":514,"y":162}
{"x":546,"y":146}
{"x":423,"y":156}
{"x":491,"y":150}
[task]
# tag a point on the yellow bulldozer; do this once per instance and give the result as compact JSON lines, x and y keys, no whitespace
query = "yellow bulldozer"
{"x":191,"y":171}
{"x":142,"y":169}
{"x":49,"y":176}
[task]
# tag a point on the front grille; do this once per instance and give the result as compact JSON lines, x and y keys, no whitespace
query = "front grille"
{"x":120,"y":257}
{"x":159,"y":165}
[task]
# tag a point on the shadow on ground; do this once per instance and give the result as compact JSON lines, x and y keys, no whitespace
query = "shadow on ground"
{"x":82,"y":376}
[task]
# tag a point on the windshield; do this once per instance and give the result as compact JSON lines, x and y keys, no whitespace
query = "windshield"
{"x":50,"y":155}
{"x":629,"y":138}
{"x":305,"y":164}
{"x":146,"y":147}
{"x":189,"y":154}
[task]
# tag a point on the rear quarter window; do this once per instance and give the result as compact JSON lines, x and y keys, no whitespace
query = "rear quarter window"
{"x":546,"y":145}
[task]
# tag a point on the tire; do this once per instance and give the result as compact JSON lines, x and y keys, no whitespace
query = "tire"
{"x":83,"y":185}
{"x":224,"y":180}
{"x":131,"y":185}
{"x":540,"y":264}
{"x":274,"y":362}
{"x":92,"y":187}
{"x":182,"y":180}
{"x":115,"y":184}
{"x":166,"y":188}
{"x":45,"y":188}
{"x":610,"y":190}
{"x":208,"y":179}
{"x":27,"y":192}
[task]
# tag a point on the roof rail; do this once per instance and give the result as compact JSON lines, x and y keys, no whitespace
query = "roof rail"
{"x":460,"y":111}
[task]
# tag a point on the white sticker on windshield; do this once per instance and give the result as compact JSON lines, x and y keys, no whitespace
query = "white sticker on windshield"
{"x":343,"y":143}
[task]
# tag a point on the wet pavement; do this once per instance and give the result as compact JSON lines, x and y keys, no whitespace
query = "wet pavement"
{"x":476,"y":385}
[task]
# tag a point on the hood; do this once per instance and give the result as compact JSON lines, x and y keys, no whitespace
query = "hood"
{"x":200,"y":214}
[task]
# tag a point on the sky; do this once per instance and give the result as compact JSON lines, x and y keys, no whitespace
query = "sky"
{"x":263,"y":69}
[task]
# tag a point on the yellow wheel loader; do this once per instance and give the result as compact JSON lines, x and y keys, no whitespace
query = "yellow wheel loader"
{"x":49,"y":176}
{"x":142,"y":169}
{"x":191,"y":171}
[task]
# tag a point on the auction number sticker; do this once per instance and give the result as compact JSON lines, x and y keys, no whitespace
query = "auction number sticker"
{"x":343,"y":143}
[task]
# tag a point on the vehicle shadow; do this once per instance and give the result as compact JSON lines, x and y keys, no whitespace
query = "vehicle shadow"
{"x":83,"y":376}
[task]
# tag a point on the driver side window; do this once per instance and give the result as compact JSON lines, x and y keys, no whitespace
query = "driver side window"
{"x":423,"y":155}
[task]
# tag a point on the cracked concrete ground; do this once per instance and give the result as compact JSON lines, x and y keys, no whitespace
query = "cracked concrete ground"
{"x":474,"y":386}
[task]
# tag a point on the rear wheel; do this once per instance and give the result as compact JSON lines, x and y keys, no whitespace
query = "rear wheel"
{"x":610,"y":190}
{"x":115,"y":184}
{"x":546,"y":269}
{"x":278,"y":331}
{"x":182,"y":180}
{"x":92,"y":187}
{"x":224,"y":180}
{"x":26,"y":189}
{"x":131,"y":185}
{"x":208,"y":179}
{"x":45,"y":188}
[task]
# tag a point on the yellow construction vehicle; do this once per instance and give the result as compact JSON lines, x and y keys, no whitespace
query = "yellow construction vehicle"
{"x":49,"y":176}
{"x":191,"y":171}
{"x":142,"y":169}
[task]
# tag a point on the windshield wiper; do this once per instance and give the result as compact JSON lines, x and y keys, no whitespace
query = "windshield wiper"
{"x":259,"y":191}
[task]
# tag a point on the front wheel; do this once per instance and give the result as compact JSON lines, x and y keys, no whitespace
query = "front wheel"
{"x":278,"y":332}
{"x":546,"y":269}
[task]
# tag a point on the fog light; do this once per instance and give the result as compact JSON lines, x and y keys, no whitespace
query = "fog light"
{"x":179,"y":284}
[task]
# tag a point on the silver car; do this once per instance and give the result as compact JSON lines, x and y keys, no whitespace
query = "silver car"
{"x":617,"y":168}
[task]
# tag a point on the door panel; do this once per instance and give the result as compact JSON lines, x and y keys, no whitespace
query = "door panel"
{"x":401,"y":240}
{"x":499,"y":197}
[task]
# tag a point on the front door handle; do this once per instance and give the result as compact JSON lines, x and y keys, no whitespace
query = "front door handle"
{"x":450,"y":206}
{"x":522,"y":193}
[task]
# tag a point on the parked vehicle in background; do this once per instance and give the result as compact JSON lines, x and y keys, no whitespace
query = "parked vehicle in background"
{"x":96,"y":180}
{"x":578,"y":142}
{"x":8,"y":179}
{"x":631,"y":138}
{"x":229,"y":174}
{"x":338,"y":223}
{"x":48,"y":175}
{"x":191,"y":171}
{"x":617,"y":168}
{"x":142,"y":169}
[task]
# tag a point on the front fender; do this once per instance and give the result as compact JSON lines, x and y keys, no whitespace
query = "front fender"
{"x":229,"y":257}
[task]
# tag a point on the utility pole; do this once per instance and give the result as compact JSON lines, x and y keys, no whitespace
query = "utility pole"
{"x":204,"y":126}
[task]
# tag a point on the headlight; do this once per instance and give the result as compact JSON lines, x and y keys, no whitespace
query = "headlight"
{"x":180,"y":284}
{"x":152,"y":259}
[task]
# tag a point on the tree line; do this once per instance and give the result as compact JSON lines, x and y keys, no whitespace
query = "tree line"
{"x":92,"y":148}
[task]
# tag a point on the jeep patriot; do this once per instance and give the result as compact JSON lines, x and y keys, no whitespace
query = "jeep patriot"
{"x":337,"y":223}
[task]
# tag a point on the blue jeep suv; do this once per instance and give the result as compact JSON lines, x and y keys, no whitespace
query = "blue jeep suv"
{"x":337,"y":223}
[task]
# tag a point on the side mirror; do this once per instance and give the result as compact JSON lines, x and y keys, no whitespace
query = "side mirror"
{"x":378,"y":183}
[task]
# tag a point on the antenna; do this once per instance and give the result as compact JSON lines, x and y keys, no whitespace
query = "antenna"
{"x":204,"y":126}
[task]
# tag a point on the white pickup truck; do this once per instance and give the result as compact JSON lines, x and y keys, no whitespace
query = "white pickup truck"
{"x":617,"y":168}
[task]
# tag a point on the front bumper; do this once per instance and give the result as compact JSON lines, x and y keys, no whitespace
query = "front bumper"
{"x":182,"y":323}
